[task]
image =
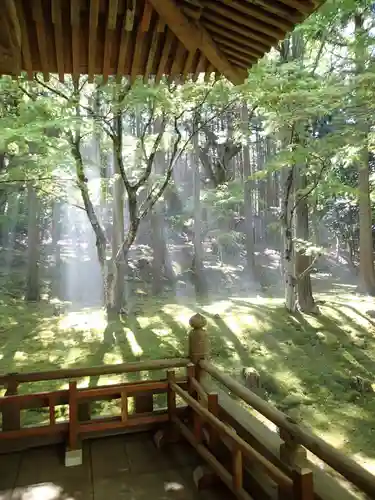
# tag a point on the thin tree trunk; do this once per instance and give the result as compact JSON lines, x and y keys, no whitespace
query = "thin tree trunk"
{"x":366,"y":259}
{"x":56,"y":234}
{"x":118,"y":265}
{"x":248,"y":196}
{"x":198,"y":269}
{"x":302,"y":261}
{"x":33,"y":243}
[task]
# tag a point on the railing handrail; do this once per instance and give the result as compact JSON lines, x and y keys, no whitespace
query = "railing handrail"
{"x":343,"y":464}
{"x":276,"y":474}
{"x":70,"y":373}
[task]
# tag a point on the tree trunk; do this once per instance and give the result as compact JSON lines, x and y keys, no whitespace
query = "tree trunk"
{"x":118,"y":264}
{"x":33,"y":243}
{"x":158,"y":250}
{"x":302,"y":261}
{"x":56,"y":234}
{"x":289,"y":252}
{"x":197,"y":268}
{"x":248,"y":196}
{"x":366,"y":259}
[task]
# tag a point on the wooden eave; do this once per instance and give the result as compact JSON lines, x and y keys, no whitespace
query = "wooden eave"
{"x":149,"y":38}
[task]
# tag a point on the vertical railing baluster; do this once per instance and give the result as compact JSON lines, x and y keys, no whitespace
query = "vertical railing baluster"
{"x":73,"y":415}
{"x":11,"y":412}
{"x":236,"y":468}
{"x":124,"y":406}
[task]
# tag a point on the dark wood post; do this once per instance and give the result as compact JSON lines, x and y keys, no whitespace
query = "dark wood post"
{"x":198,"y":342}
{"x":294,"y":455}
{"x":11,"y":412}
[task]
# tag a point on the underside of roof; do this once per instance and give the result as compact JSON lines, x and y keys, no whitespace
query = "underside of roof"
{"x":149,"y":38}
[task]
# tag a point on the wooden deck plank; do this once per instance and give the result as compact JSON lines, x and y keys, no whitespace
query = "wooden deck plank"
{"x":109,"y":457}
{"x":120,"y":467}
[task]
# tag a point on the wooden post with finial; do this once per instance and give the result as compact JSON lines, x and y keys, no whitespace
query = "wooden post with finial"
{"x":198,"y":342}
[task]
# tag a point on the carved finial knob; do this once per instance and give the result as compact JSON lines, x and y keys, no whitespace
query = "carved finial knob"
{"x":197,"y":321}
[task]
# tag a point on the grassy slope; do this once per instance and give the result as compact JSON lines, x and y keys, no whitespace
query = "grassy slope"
{"x":306,"y":363}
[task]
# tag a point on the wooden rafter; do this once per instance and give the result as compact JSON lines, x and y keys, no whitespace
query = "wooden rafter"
{"x":75,"y":21}
{"x":199,"y":67}
{"x":263,"y":28}
{"x":93,"y":32}
{"x":169,"y":38}
{"x":188,"y":64}
{"x":210,"y":69}
{"x":304,"y":6}
{"x":226,"y":23}
{"x":194,"y":36}
{"x":26,"y":53}
{"x":124,"y":42}
{"x":273,"y":8}
{"x":251,"y":54}
{"x":59,"y":40}
{"x":41,"y":36}
{"x":109,"y":36}
{"x":240,"y":40}
{"x":151,"y":53}
{"x":252,"y":11}
{"x":178,"y":62}
{"x":143,"y":27}
{"x":14,"y":34}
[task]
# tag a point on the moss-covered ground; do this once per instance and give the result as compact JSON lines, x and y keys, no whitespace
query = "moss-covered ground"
{"x":318,"y":369}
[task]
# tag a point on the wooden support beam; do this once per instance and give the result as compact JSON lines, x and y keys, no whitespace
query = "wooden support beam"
{"x":188,"y":64}
{"x":143,"y":27}
{"x":177,"y":65}
{"x":238,"y":56}
{"x":199,"y":67}
{"x":41,"y":36}
{"x":240,"y":41}
{"x":227,"y":23}
{"x":93,"y":32}
{"x":14,"y":34}
{"x":25,"y":46}
{"x":250,"y":54}
{"x":304,"y":6}
{"x":151,"y":53}
{"x":263,"y":28}
{"x":194,"y":36}
{"x":251,"y":11}
{"x":109,"y":36}
{"x":273,"y":8}
{"x":146,"y":17}
{"x":59,"y":39}
{"x":169,"y":38}
{"x":124,"y":42}
{"x":75,"y":14}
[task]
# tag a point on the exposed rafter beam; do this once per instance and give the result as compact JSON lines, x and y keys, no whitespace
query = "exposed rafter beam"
{"x":59,"y":39}
{"x":168,"y":42}
{"x":93,"y":33}
{"x":124,"y":42}
{"x":25,"y":41}
{"x":75,"y":21}
{"x":194,"y":36}
{"x":14,"y":32}
{"x":41,"y":37}
{"x":304,"y":6}
{"x":109,"y":36}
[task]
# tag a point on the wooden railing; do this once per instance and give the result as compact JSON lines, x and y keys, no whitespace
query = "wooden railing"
{"x":202,"y":422}
{"x":79,"y":422}
{"x":295,"y":436}
{"x":205,"y":412}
